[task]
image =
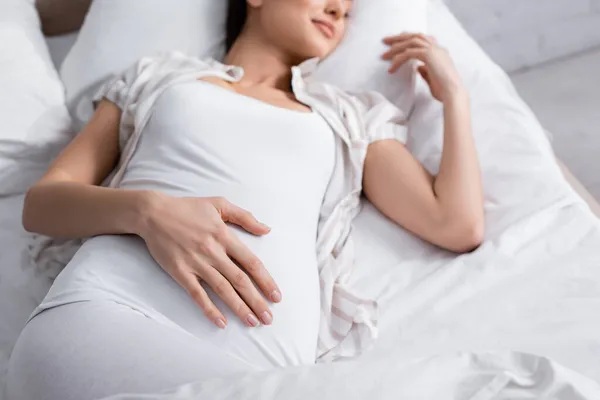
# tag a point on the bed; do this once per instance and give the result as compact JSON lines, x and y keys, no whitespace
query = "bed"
{"x":516,"y":319}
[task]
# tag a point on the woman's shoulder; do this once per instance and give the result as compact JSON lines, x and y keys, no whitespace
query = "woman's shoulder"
{"x":173,"y":60}
{"x":361,"y":101}
{"x":174,"y":65}
{"x":363,"y":98}
{"x":149,"y":76}
{"x":366,"y":114}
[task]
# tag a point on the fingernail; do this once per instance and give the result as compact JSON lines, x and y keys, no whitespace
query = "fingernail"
{"x":266,"y":318}
{"x":276,"y":296}
{"x":252,"y":321}
{"x":267,"y":227}
{"x":221,"y":324}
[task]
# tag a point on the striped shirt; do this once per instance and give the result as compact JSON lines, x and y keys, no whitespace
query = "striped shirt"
{"x":348,"y":322}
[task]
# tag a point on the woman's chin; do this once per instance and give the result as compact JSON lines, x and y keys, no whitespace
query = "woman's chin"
{"x":319,"y":49}
{"x":321,"y":54}
{"x":326,"y":51}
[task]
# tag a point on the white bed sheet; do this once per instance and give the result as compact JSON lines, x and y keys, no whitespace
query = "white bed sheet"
{"x":460,"y":376}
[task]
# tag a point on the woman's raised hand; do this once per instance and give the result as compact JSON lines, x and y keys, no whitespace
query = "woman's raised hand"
{"x":191,"y":241}
{"x":438,"y":69}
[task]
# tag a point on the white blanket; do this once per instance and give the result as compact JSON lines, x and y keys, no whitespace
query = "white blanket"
{"x":461,"y":376}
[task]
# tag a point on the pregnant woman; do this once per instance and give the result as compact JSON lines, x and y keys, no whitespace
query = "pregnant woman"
{"x":216,"y":200}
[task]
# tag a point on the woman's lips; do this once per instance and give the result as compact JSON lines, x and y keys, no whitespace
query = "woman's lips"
{"x":326,"y":28}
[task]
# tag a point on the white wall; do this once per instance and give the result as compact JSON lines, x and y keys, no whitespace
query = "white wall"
{"x":522,"y":33}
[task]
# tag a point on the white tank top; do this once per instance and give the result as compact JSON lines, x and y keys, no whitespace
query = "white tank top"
{"x":202,"y":141}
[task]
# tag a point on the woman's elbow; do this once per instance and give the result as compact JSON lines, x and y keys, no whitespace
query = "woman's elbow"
{"x":28,"y":219}
{"x":467,"y":235}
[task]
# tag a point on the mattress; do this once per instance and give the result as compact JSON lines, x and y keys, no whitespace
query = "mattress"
{"x":515,"y":319}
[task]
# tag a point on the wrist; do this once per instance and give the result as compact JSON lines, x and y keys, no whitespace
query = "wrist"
{"x":145,"y":204}
{"x":456,"y":95}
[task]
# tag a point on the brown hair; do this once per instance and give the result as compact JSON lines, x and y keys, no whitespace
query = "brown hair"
{"x":61,"y":16}
{"x":237,"y":14}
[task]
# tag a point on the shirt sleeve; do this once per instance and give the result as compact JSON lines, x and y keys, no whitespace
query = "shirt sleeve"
{"x":135,"y":88}
{"x":127,"y":91}
{"x":381,"y":119}
{"x":127,"y":87}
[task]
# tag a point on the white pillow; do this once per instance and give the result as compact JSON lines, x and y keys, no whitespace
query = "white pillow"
{"x":34,"y":119}
{"x":60,"y":46}
{"x":116,"y":33}
{"x":520,"y":175}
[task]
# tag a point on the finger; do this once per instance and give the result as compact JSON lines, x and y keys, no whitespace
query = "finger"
{"x":255,"y":268}
{"x":193,"y":287}
{"x":403,"y":36}
{"x":400,"y":37}
{"x":225,"y":290}
{"x":399,"y":47}
{"x":400,"y":59}
{"x":432,"y":39}
{"x":424,"y":74}
{"x":243,"y":218}
{"x":245,"y":289}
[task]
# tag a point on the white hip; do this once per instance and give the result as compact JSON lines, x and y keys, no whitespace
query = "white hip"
{"x":120,"y":268}
{"x":91,"y":350}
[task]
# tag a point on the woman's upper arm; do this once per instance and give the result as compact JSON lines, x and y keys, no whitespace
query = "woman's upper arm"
{"x":94,"y":153}
{"x":401,"y":188}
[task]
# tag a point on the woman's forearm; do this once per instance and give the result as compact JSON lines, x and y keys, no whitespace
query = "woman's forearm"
{"x":458,"y":185}
{"x":72,"y":210}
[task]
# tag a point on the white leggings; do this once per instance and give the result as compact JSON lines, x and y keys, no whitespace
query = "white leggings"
{"x":95,"y":349}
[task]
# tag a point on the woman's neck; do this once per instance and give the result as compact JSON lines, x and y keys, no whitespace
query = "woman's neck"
{"x":263,"y":65}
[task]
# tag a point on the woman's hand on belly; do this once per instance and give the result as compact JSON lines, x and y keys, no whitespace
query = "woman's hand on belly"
{"x":190,"y":240}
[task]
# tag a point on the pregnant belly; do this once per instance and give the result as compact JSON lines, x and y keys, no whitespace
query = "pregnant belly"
{"x":122,"y":267}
